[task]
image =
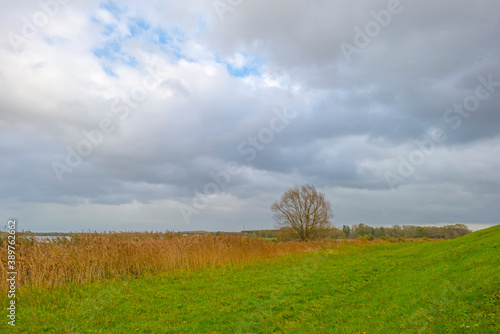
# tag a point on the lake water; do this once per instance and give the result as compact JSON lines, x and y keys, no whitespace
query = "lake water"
{"x":47,"y":238}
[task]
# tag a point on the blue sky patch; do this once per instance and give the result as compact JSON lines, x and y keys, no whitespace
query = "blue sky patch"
{"x":138,"y":26}
{"x":247,"y":64}
{"x":161,"y":36}
{"x":111,"y":54}
{"x":111,"y":7}
{"x":242,"y":72}
{"x":110,"y":51}
{"x":107,"y":69}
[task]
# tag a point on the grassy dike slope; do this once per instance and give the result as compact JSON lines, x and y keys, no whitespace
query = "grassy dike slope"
{"x":413,"y":287}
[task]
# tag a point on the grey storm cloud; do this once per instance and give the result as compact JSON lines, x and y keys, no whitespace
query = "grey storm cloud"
{"x":120,"y":115}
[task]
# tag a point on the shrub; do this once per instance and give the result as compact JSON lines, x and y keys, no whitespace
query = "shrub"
{"x":401,"y":239}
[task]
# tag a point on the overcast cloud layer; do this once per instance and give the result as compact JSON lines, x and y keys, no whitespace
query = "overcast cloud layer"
{"x":134,"y":115}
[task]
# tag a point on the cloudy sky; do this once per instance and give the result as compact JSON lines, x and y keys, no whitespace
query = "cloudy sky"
{"x":187,"y":115}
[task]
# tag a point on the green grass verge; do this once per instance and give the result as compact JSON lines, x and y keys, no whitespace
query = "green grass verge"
{"x":413,"y":287}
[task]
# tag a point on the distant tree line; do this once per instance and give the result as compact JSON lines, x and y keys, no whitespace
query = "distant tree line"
{"x":406,"y":231}
{"x":266,"y":234}
{"x":362,"y":230}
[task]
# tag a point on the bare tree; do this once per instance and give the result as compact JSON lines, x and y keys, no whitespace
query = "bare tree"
{"x":303,"y":209}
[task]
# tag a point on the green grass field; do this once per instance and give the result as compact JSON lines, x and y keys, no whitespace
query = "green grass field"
{"x":414,"y":287}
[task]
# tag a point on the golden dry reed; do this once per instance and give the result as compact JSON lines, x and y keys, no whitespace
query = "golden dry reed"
{"x":89,"y":257}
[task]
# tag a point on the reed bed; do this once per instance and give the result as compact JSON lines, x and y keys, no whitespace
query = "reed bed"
{"x":90,"y":257}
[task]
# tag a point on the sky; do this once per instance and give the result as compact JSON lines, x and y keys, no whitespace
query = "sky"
{"x":198,"y":115}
